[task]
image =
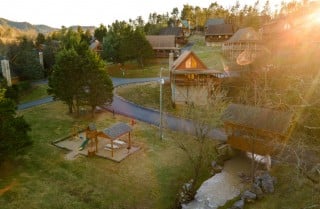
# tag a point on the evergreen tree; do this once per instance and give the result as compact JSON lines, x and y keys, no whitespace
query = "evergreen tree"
{"x":80,"y":79}
{"x":100,"y":33}
{"x":24,"y":59}
{"x":13,"y":129}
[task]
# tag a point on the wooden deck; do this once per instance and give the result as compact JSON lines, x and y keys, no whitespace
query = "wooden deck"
{"x":120,"y":151}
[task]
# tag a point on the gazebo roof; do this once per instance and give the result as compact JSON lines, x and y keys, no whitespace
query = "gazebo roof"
{"x":258,"y":118}
{"x":244,"y":35}
{"x":116,"y":130}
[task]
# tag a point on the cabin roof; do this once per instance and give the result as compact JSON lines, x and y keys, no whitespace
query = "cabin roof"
{"x":221,"y":29}
{"x":185,"y":23}
{"x":176,"y":31}
{"x":258,"y":118}
{"x":162,"y":42}
{"x":214,"y":21}
{"x":184,"y":56}
{"x":117,"y":130}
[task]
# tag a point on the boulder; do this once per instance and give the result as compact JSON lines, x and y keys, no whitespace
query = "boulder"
{"x":238,"y":205}
{"x":257,"y":190}
{"x":267,"y":183}
{"x":216,"y":168}
{"x":248,"y":196}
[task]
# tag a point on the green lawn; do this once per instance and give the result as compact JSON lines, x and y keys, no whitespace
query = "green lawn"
{"x":132,"y":70}
{"x":150,"y":178}
{"x":148,"y":95}
{"x":34,"y":93}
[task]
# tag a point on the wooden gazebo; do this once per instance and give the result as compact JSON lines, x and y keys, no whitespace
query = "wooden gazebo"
{"x":114,"y":133}
{"x":256,"y":130}
{"x":245,"y":42}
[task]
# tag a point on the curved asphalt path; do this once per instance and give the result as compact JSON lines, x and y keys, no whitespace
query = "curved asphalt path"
{"x":151,"y":116}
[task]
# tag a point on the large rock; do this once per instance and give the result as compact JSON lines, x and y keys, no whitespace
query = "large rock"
{"x":238,"y":205}
{"x":216,"y":168}
{"x":248,"y":196}
{"x":257,"y":190}
{"x":266,"y":182}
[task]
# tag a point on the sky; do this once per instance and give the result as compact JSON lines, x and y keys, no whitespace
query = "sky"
{"x":59,"y":13}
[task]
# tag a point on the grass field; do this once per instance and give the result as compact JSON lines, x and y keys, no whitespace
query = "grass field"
{"x":34,"y":93}
{"x":43,"y":179}
{"x":132,"y":70}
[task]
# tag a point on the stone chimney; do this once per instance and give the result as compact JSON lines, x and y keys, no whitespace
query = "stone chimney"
{"x":41,"y":58}
{"x":6,"y":71}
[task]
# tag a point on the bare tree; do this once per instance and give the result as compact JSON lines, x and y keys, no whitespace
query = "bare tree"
{"x":204,"y":119}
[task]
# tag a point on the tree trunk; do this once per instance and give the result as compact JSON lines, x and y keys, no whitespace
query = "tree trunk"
{"x":93,"y":107}
{"x":70,"y":108}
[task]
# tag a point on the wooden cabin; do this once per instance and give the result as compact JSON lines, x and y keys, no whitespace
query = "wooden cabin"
{"x":244,"y":46}
{"x":191,"y":80}
{"x":96,"y":46}
{"x":216,"y":34}
{"x":255,"y":129}
{"x":177,"y":32}
{"x":163,"y":45}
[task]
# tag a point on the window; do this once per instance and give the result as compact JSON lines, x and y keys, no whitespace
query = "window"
{"x":191,"y":63}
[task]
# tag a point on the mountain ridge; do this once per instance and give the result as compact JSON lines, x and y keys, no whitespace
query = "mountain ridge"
{"x":26,"y":26}
{"x":38,"y":28}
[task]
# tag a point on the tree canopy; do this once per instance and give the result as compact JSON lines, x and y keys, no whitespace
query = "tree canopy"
{"x":123,"y":43}
{"x":24,"y":59}
{"x":100,"y":32}
{"x":13,"y":129}
{"x":80,"y":79}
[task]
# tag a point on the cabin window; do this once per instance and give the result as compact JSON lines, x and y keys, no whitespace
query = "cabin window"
{"x":191,"y":63}
{"x":190,"y":76}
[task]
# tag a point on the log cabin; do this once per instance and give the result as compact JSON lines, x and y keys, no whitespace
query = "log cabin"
{"x":191,"y":80}
{"x":216,"y":34}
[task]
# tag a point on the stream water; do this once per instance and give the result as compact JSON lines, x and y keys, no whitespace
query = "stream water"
{"x":224,"y":186}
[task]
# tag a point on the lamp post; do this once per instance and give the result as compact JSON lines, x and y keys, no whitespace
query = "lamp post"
{"x":161,"y":83}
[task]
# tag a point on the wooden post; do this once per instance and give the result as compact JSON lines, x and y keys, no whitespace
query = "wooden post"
{"x":111,"y":148}
{"x":129,"y":143}
{"x":96,"y":140}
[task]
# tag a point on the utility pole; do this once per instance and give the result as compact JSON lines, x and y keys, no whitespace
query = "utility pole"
{"x":161,"y":83}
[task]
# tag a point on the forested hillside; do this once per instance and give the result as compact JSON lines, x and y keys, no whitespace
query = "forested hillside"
{"x":10,"y":30}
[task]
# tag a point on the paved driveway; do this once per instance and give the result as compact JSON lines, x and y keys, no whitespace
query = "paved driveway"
{"x":151,"y":116}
